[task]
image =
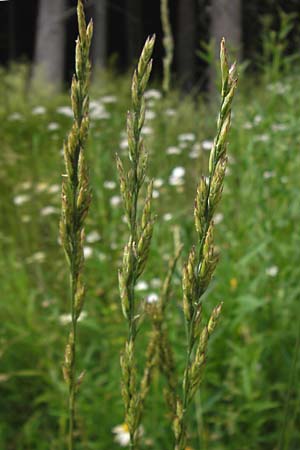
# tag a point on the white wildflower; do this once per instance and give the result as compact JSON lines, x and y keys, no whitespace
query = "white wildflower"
{"x":167,"y":217}
{"x":110,"y":184}
{"x":218,"y":218}
{"x":115,"y":200}
{"x":38,"y":110}
{"x":15,"y":116}
{"x":122,"y":435}
{"x":53,"y":126}
{"x":155,"y":193}
{"x":150,"y":115}
{"x":141,"y":285}
{"x":186,"y":137}
{"x":158,"y":182}
{"x":153,"y":94}
{"x":37,"y":257}
{"x":146,"y":131}
{"x":65,"y":319}
{"x":48,"y":210}
{"x":269,"y":174}
{"x":20,"y":199}
{"x":173,"y":151}
{"x":87,"y":251}
{"x":54,"y":189}
{"x":152,"y":298}
{"x":207,"y":145}
{"x":272,"y":271}
{"x":65,"y":111}
{"x":108,"y":99}
{"x":92,"y":237}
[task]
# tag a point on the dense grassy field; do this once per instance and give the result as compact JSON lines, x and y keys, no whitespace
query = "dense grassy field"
{"x":250,"y":396}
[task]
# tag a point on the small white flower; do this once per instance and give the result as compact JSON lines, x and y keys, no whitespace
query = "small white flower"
{"x":146,"y":131}
{"x":186,"y":137}
{"x":15,"y":116}
{"x":109,"y":184}
{"x":207,"y":145}
{"x":178,"y":172}
{"x":92,"y":237}
{"x":115,"y":200}
{"x":153,"y":94}
{"x":37,"y":257}
{"x":65,"y":319}
{"x":124,"y":143}
{"x":272,"y":271}
{"x":167,"y":217}
{"x":218,"y":218}
{"x":108,"y":99}
{"x":122,"y":435}
{"x":87,"y":251}
{"x":257,"y":119}
{"x":65,"y":111}
{"x":150,"y":115}
{"x":141,"y":285}
{"x":38,"y":110}
{"x":173,"y":151}
{"x":269,"y":174}
{"x":158,"y":182}
{"x":48,"y":210}
{"x":20,"y":199}
{"x":54,"y":189}
{"x":52,"y":126}
{"x":152,"y":298}
{"x":155,"y":193}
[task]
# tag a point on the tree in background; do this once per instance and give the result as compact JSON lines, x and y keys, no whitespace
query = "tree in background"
{"x":134,"y":29}
{"x":100,"y":34}
{"x":49,"y":57}
{"x":226,"y":21}
{"x":186,"y":42}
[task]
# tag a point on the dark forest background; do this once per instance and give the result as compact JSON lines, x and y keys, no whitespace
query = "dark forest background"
{"x":29,"y":33}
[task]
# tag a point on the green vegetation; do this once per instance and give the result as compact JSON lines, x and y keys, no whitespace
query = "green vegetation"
{"x":250,"y":395}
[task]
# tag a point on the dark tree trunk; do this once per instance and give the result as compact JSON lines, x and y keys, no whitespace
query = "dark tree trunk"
{"x":134,"y":29}
{"x":225,"y":22}
{"x":186,"y":42}
{"x":100,"y":34}
{"x":50,"y":42}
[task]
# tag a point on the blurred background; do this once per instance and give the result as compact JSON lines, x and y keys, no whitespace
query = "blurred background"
{"x":250,"y":396}
{"x":43,"y":32}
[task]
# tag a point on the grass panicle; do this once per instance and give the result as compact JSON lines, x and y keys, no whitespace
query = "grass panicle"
{"x":76,"y":198}
{"x":168,"y":42}
{"x":202,"y":259}
{"x":137,"y":249}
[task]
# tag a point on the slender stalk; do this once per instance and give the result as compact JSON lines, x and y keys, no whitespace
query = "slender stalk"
{"x":76,"y":199}
{"x":168,"y":43}
{"x":202,"y":260}
{"x":137,"y":249}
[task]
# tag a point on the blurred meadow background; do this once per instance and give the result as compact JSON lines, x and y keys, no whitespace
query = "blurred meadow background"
{"x":250,"y":396}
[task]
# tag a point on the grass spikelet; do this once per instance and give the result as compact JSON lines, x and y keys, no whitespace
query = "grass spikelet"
{"x":137,"y":249}
{"x":202,"y":260}
{"x":168,"y":43}
{"x":76,"y":197}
